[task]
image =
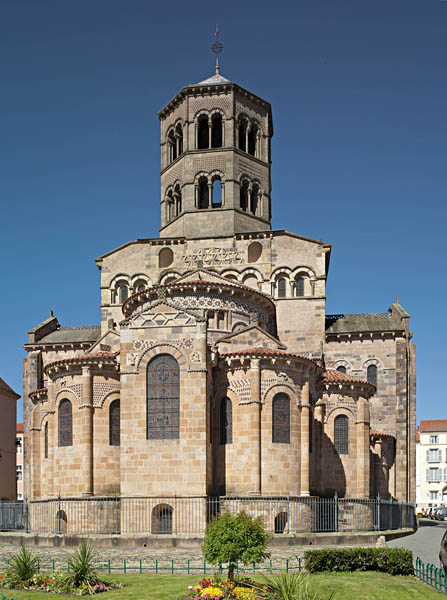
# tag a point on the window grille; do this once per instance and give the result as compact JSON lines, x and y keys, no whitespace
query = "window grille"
{"x":114,"y":423}
{"x":163,"y":398}
{"x":281,"y":419}
{"x":341,"y":434}
{"x":371,"y":374}
{"x":46,"y":440}
{"x":65,"y":423}
{"x":226,"y":421}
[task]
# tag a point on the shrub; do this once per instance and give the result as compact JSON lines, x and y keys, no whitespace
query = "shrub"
{"x":21,"y":566}
{"x":81,"y":569}
{"x":395,"y":561}
{"x":288,"y":586}
{"x":230,"y":538}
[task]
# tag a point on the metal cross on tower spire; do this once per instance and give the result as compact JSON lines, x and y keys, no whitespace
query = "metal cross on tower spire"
{"x":217,"y":48}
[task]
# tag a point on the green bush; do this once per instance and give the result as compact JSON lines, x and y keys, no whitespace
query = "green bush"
{"x":230,"y":538}
{"x":22,"y":565}
{"x":395,"y":561}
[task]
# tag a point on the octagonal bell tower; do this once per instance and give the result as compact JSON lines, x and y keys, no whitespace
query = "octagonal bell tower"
{"x":215,"y":161}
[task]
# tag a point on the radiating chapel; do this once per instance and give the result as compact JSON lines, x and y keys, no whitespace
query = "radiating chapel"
{"x":215,"y":370}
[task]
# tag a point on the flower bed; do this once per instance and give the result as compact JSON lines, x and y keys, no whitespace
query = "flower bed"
{"x":56,"y":583}
{"x":217,"y":589}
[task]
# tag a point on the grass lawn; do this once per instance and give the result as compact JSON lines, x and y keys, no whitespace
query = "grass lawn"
{"x":347,"y":586}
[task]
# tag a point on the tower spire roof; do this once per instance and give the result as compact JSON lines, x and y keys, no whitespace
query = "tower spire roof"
{"x":217,"y":48}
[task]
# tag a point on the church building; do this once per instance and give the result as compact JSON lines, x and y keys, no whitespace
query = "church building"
{"x":215,"y":370}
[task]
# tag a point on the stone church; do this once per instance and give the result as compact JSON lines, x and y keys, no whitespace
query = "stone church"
{"x":215,"y":371}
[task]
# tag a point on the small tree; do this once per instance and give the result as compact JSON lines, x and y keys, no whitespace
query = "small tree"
{"x":230,"y":538}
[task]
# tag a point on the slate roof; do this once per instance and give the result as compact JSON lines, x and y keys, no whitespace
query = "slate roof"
{"x":216,"y":79}
{"x":434,"y":425}
{"x":4,"y":387}
{"x":72,"y":335}
{"x":367,"y":322}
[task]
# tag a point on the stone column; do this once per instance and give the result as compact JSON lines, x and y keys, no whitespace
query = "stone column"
{"x":86,"y":432}
{"x":53,"y":442}
{"x":318,"y":440}
{"x":363,"y":461}
{"x":305,"y":411}
{"x":210,"y":194}
{"x":255,"y":425}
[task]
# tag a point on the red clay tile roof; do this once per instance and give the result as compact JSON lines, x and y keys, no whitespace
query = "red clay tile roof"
{"x":94,"y":356}
{"x":380,"y":433}
{"x":433,"y":425}
{"x":333,"y":376}
{"x":187,"y":284}
{"x":19,"y":427}
{"x":38,"y":391}
{"x":267,"y":352}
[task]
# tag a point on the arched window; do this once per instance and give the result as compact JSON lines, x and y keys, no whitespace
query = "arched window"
{"x":226,"y":421}
{"x":217,"y":193}
{"x":281,"y":419}
{"x":163,"y":398}
{"x":203,"y":193}
{"x":216,"y":131}
{"x":165,"y":258}
{"x":162,"y":519}
{"x":242,"y":135}
{"x":203,"y":133}
{"x":123,"y":293}
{"x":281,"y":285}
{"x":341,"y":369}
{"x":244,"y":196}
{"x":371,"y":374}
{"x":341,"y":434}
{"x":252,"y":136}
{"x":45,"y":433}
{"x":172,"y":146}
{"x":299,"y":285}
{"x":177,"y":200}
{"x":254,"y":195}
{"x":179,"y":139}
{"x":65,"y":418}
{"x":139,"y":285}
{"x":114,"y":423}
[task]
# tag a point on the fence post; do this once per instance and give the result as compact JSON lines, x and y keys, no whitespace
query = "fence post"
{"x":59,"y":530}
{"x":390,"y":510}
{"x":336,"y":511}
{"x":26,"y":515}
{"x":378,"y":528}
{"x":400,"y":514}
{"x":288,"y":513}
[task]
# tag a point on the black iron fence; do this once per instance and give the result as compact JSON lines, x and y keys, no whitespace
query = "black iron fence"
{"x":190,"y":515}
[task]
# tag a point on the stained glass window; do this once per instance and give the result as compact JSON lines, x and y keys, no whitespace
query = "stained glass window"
{"x":281,"y":419}
{"x":114,"y":423}
{"x":341,"y":434}
{"x":163,"y":398}
{"x":226,"y":421}
{"x":371,"y":374}
{"x":65,"y":423}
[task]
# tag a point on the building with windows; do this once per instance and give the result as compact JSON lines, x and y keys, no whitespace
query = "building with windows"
{"x":19,"y":460}
{"x":8,"y":411}
{"x":215,"y":370}
{"x":431,"y":465}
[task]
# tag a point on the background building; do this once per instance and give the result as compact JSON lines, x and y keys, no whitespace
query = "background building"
{"x":8,"y":411}
{"x":431,"y":467}
{"x":215,"y":370}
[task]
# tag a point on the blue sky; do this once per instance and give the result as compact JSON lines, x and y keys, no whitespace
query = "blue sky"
{"x":358,"y":90}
